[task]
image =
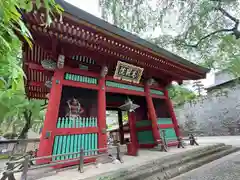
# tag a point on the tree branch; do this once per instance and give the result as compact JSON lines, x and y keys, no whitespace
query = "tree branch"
{"x":234,"y":30}
{"x":207,"y":36}
{"x":225,"y":13}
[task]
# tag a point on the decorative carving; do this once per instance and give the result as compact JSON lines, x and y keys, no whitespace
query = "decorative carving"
{"x":74,"y":108}
{"x":49,"y":64}
{"x":104,"y":71}
{"x":61,"y":60}
{"x":48,"y":84}
{"x":151,"y":81}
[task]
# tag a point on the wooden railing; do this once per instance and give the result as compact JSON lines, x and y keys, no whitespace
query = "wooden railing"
{"x":25,"y":164}
{"x":16,"y":147}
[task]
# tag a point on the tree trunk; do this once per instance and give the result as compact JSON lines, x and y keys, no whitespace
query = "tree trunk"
{"x":27,"y":117}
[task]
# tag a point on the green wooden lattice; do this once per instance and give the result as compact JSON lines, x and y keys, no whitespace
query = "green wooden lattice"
{"x":143,"y":123}
{"x":74,"y":143}
{"x":145,"y":137}
{"x":79,"y":78}
{"x":124,"y":86}
{"x":65,"y":122}
{"x":170,"y":134}
{"x":157,"y":92}
{"x":164,"y":121}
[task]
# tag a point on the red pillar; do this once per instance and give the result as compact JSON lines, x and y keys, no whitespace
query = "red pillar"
{"x":173,"y":116}
{"x":133,"y":146}
{"x":102,"y":136}
{"x":50,"y":122}
{"x":152,"y":113}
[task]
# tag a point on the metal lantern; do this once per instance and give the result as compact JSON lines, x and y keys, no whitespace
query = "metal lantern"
{"x":129,"y":106}
{"x":61,"y":60}
{"x":49,"y":64}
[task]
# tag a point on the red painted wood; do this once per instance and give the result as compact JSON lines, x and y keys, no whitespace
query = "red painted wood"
{"x":164,"y":126}
{"x":35,"y":66}
{"x":173,"y":116}
{"x":102,"y":136}
{"x":35,"y":83}
{"x":174,"y":143}
{"x":170,"y":144}
{"x":80,"y":84}
{"x":152,"y":113}
{"x":149,"y":128}
{"x":124,"y":91}
{"x":68,"y":131}
{"x":133,"y":146}
{"x":46,"y":145}
{"x":148,"y":146}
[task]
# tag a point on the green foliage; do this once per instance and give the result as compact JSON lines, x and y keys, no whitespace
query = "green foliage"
{"x":14,"y":105}
{"x":180,"y":95}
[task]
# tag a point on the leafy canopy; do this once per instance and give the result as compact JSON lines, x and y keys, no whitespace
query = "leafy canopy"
{"x":13,"y":101}
{"x":204,"y":31}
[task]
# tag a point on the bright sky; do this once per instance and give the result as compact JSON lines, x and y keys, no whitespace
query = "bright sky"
{"x":92,"y":6}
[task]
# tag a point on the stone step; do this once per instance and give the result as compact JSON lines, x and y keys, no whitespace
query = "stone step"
{"x":183,"y":168}
{"x":163,"y":165}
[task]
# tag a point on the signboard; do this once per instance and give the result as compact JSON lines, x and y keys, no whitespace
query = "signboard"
{"x":128,"y":72}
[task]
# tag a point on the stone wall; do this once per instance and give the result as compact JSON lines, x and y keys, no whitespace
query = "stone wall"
{"x":217,"y":113}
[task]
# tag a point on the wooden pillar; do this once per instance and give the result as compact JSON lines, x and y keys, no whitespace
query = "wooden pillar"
{"x":50,"y":122}
{"x":121,"y":131}
{"x":173,"y":116}
{"x":102,"y":134}
{"x":152,"y":113}
{"x":133,"y":146}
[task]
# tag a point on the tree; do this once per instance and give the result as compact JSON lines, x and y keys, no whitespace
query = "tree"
{"x":198,"y":86}
{"x":180,"y":95}
{"x":13,"y":101}
{"x":204,"y":31}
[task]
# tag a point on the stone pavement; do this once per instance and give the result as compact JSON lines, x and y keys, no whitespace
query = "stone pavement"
{"x":91,"y":170}
{"x":229,"y":140}
{"x":129,"y":161}
{"x":226,"y":168}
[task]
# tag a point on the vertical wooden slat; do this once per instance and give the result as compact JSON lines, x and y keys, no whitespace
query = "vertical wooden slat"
{"x":62,"y":122}
{"x":68,"y":145}
{"x":64,"y":147}
{"x":96,"y":141}
{"x":72,"y":146}
{"x":59,"y":151}
{"x":55,"y":147}
{"x":75,"y":145}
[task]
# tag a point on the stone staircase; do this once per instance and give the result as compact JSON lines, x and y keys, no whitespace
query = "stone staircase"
{"x":167,"y":168}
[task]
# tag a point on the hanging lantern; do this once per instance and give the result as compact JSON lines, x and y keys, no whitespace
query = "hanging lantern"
{"x":49,"y":64}
{"x":104,"y":71}
{"x":61,"y":60}
{"x":48,"y":84}
{"x":129,"y":106}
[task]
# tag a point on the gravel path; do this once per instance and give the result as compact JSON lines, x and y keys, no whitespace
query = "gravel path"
{"x":226,"y":168}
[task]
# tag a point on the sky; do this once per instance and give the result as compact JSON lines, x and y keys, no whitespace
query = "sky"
{"x":92,"y":6}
